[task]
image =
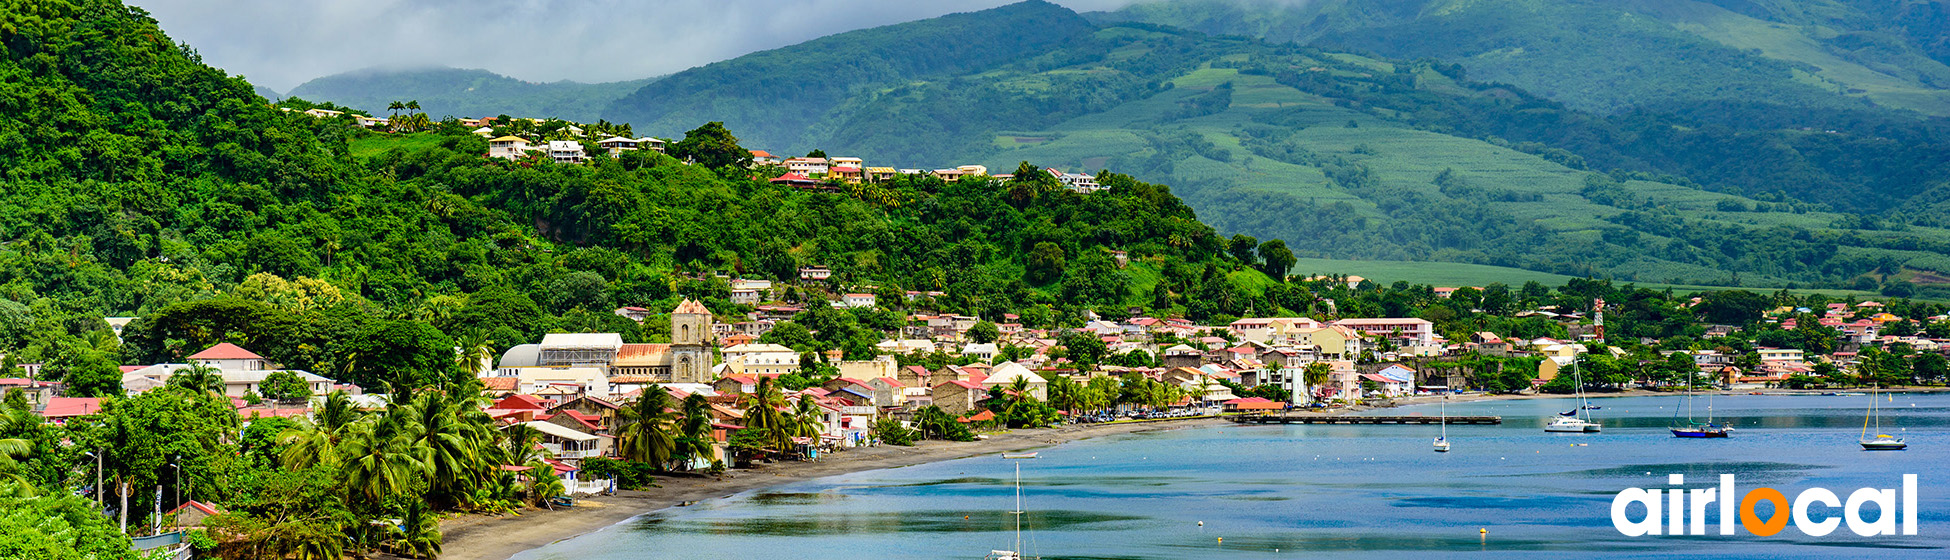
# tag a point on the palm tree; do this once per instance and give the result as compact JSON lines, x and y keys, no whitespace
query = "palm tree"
{"x":449,"y":447}
{"x":316,"y":439}
{"x":1316,"y":375}
{"x":476,"y":353}
{"x":643,"y":428}
{"x":1065,"y":393}
{"x":519,"y":446}
{"x":694,"y":432}
{"x":420,"y":532}
{"x":13,"y":420}
{"x":198,"y":377}
{"x":762,"y":414}
{"x":804,"y":421}
{"x":380,"y":459}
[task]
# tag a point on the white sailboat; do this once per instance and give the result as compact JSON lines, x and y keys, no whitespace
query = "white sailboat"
{"x":1442,"y":442}
{"x":1017,"y":553}
{"x":1882,"y":442}
{"x":1577,"y":421}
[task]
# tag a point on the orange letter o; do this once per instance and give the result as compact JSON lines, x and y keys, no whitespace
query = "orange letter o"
{"x":1751,"y":521}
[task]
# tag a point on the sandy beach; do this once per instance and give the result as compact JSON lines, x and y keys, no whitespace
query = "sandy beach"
{"x":496,"y":537}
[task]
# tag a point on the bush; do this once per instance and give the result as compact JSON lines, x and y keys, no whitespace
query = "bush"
{"x":891,"y":431}
{"x":630,"y":475}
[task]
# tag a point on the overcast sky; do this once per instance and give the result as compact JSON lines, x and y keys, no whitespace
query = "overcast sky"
{"x":282,"y":43}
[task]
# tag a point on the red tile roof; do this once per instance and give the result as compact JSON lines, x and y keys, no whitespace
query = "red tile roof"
{"x":69,"y":407}
{"x":225,"y":351}
{"x":501,"y":383}
{"x":520,"y":402}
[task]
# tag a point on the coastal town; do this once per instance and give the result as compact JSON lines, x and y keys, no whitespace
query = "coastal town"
{"x":574,"y":393}
{"x":642,"y":388}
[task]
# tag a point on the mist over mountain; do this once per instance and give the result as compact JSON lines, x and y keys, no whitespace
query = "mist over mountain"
{"x":466,"y":93}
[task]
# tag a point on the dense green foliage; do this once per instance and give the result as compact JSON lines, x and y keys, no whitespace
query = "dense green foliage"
{"x":1413,"y":160}
{"x":178,"y":196}
{"x":444,"y":92}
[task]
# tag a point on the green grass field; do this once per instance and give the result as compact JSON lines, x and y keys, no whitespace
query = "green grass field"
{"x":1458,"y":275}
{"x":379,"y":143}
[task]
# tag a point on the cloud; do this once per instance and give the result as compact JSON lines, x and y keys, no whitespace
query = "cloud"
{"x":282,"y":43}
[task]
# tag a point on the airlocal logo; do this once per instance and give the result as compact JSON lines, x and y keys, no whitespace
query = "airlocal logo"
{"x":1685,"y":510}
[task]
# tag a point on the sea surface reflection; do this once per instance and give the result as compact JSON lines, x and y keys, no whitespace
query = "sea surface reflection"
{"x":1334,"y":491}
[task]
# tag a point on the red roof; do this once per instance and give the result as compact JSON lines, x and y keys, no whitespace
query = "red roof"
{"x":891,"y":382}
{"x":273,"y":412}
{"x":1377,"y":378}
{"x":983,"y":417}
{"x":126,"y":369}
{"x":920,"y":371}
{"x":69,"y":407}
{"x":207,"y":509}
{"x":226,"y":351}
{"x":520,"y":402}
{"x":793,"y":178}
{"x":760,"y":153}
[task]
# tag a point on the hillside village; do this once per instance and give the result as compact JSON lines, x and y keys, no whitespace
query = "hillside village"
{"x":516,"y":139}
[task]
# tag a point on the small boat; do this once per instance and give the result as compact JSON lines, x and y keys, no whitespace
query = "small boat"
{"x":1572,"y":425}
{"x":1590,"y":407}
{"x":1693,"y":429}
{"x":1442,"y":441}
{"x":1578,"y":419}
{"x":1882,"y":442}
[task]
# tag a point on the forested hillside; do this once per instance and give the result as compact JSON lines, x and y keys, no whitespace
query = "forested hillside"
{"x":1607,"y":56}
{"x":807,"y":94}
{"x":466,"y":93}
{"x":172,"y":192}
{"x":1347,"y":155}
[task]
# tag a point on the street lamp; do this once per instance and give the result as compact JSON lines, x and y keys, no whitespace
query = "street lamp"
{"x":179,"y":488}
{"x":98,"y":476}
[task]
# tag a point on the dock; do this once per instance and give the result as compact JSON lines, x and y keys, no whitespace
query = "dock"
{"x":1306,"y":418}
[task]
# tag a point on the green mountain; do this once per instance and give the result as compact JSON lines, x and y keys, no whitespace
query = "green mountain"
{"x":465,"y":93}
{"x":802,"y":95}
{"x":175,"y":194}
{"x":1608,"y":55}
{"x":1349,"y":155}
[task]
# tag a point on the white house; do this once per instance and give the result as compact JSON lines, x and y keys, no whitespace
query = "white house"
{"x":809,"y":167}
{"x":508,"y":147}
{"x":979,"y":351}
{"x":1006,"y":374}
{"x":857,"y":300}
{"x":761,"y":359}
{"x":566,"y":151}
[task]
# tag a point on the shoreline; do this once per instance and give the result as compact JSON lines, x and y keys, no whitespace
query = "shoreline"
{"x":497,"y":537}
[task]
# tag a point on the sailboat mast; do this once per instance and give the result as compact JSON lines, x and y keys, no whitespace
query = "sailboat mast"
{"x":1018,"y":509}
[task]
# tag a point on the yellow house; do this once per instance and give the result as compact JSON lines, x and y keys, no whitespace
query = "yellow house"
{"x":1335,"y":342}
{"x":1549,"y":368}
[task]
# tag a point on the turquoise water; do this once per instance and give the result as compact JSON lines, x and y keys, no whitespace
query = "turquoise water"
{"x":1335,"y":491}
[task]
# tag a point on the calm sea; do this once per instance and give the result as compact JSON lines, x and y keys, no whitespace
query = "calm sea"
{"x":1335,"y":491}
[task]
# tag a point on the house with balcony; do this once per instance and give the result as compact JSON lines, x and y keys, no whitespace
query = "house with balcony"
{"x":566,"y":151}
{"x":509,"y":147}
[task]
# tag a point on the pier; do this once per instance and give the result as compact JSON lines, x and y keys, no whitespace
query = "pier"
{"x":1346,"y":419}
